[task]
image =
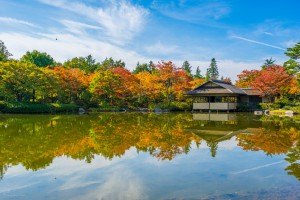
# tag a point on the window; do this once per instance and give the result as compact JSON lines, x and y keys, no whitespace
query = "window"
{"x":218,"y":99}
{"x":201,"y":100}
{"x":232,"y":99}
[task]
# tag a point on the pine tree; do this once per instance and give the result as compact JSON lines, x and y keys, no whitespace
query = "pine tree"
{"x":212,"y":70}
{"x":207,"y":76}
{"x":187,"y":67}
{"x":198,"y":73}
{"x":4,"y":54}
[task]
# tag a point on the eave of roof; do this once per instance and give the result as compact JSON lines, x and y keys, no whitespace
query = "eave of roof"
{"x":228,"y":88}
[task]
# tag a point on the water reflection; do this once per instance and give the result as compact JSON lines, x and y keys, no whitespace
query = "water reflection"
{"x":35,"y":140}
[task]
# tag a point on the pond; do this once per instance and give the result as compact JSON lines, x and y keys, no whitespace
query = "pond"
{"x":149,"y":156}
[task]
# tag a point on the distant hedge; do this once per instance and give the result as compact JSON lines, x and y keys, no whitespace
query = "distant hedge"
{"x":27,"y":107}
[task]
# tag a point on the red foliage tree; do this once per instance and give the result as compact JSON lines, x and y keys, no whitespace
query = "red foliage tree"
{"x":246,"y":78}
{"x":272,"y":81}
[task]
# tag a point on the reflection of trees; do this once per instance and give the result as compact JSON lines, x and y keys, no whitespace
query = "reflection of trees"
{"x":293,"y":157}
{"x":213,"y":147}
{"x":277,"y":136}
{"x":3,"y":169}
{"x":270,"y":141}
{"x":34,"y":141}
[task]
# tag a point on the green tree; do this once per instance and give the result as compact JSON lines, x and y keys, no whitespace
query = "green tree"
{"x":212,"y":71}
{"x":38,"y":58}
{"x":87,"y":64}
{"x":293,"y":65}
{"x":110,"y":63}
{"x":142,"y":68}
{"x":207,"y":75}
{"x":104,"y":85}
{"x":268,"y":62}
{"x":198,"y":73}
{"x":4,"y":54}
{"x":187,"y":67}
{"x":20,"y":80}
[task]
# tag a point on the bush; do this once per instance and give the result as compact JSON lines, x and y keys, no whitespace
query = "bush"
{"x":295,"y":109}
{"x":27,"y":107}
{"x":2,"y":105}
{"x":173,"y":106}
{"x":270,"y":106}
{"x":63,"y":108}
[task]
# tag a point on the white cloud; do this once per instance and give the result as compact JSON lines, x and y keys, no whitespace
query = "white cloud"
{"x":257,"y":42}
{"x":227,"y":68}
{"x":162,"y":49}
{"x":268,"y":33}
{"x":68,"y":46}
{"x":78,"y":27}
{"x":122,"y":184}
{"x":120,"y":20}
{"x":9,"y":20}
{"x":200,"y":13}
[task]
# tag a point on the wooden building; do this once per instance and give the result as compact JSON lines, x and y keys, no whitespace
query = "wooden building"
{"x":223,"y":96}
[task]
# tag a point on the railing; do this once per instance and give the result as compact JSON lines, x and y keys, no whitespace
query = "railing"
{"x":215,"y":106}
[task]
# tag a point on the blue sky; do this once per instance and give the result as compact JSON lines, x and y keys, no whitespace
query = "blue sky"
{"x":239,"y":34}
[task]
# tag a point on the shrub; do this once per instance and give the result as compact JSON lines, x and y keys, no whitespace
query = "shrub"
{"x":173,"y":106}
{"x":27,"y":107}
{"x":269,"y":106}
{"x":64,"y":108}
{"x":2,"y":105}
{"x":24,"y":107}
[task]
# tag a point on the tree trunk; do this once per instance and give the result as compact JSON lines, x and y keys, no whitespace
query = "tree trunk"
{"x":33,"y":95}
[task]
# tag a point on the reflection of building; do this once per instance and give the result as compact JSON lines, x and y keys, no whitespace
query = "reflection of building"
{"x":218,"y":127}
{"x":223,"y":96}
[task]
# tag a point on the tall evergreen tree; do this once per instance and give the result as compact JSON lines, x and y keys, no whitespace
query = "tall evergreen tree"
{"x":207,"y":76}
{"x":293,"y":64}
{"x":198,"y":73}
{"x":4,"y":54}
{"x":268,"y":62}
{"x":212,"y":70}
{"x":187,"y":67}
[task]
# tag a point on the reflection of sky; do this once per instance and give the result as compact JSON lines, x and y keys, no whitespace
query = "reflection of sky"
{"x":141,"y":176}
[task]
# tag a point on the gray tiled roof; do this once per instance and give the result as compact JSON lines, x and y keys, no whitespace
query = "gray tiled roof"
{"x":227,"y":88}
{"x":251,"y":91}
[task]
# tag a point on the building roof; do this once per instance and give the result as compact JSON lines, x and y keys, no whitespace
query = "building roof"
{"x":224,"y":88}
{"x":251,"y":91}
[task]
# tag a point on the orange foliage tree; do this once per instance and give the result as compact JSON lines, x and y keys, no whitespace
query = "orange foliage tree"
{"x":148,"y":88}
{"x":174,"y":81}
{"x":129,"y":87}
{"x":72,"y":83}
{"x":272,"y":81}
{"x":246,"y":78}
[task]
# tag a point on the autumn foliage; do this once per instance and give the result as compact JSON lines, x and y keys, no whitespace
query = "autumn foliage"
{"x":271,"y":81}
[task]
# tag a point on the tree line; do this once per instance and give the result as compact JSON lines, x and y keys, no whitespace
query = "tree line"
{"x":37,"y":77}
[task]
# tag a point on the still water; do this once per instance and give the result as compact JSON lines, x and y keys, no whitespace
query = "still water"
{"x":149,"y":156}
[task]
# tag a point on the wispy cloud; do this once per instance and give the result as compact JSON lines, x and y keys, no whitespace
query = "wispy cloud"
{"x":78,"y":27}
{"x":258,"y":42}
{"x":162,"y":49}
{"x":68,"y":46}
{"x":9,"y":20}
{"x":268,"y":33}
{"x":198,"y":13}
{"x":120,"y":20}
{"x":257,"y":168}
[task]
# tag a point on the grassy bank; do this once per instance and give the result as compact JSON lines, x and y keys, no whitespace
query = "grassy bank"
{"x":27,"y":107}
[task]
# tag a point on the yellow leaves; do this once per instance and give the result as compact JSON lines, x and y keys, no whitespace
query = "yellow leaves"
{"x":196,"y":82}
